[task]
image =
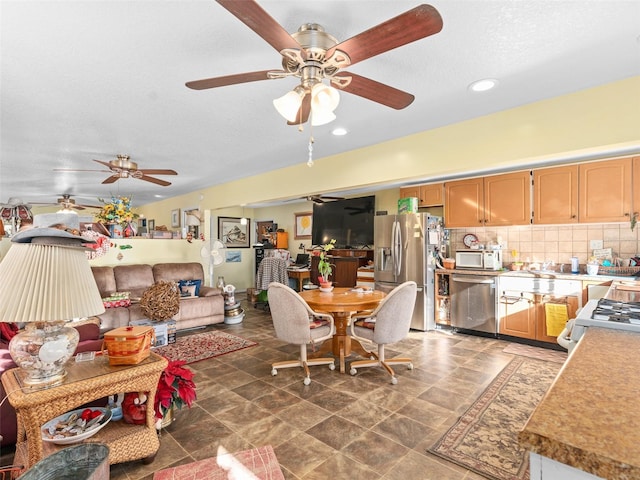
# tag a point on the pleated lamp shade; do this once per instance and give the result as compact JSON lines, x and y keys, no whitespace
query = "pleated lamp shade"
{"x":41,"y":283}
{"x":45,"y":282}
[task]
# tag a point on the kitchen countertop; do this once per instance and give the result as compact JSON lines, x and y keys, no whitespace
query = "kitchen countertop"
{"x":588,"y":417}
{"x":533,"y":274}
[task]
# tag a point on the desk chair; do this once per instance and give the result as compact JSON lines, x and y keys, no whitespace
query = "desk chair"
{"x":271,"y":269}
{"x":296,"y":323}
{"x":388,"y":323}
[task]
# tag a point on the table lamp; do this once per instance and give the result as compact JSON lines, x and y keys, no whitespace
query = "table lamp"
{"x":46,"y":281}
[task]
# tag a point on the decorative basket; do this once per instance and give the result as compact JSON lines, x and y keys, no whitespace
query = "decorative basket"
{"x":618,"y":271}
{"x":161,"y":300}
{"x":128,"y":345}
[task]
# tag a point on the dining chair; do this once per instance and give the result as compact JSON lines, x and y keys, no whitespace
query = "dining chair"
{"x":296,"y":323}
{"x":388,"y":323}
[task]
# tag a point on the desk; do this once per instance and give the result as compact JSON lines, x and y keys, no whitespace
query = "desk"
{"x":86,"y":381}
{"x":340,"y":303}
{"x":300,"y":274}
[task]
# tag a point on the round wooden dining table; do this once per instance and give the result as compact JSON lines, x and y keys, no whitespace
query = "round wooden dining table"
{"x":341,"y":303}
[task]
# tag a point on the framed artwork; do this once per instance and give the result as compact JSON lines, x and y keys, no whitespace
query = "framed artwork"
{"x":303,"y":225}
{"x":232,"y":233}
{"x":152,"y":225}
{"x":233,"y":256}
{"x":175,"y":218}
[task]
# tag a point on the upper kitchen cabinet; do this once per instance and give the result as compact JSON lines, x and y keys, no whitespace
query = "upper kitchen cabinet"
{"x":489,"y":201}
{"x":464,"y":203}
{"x":555,"y":195}
{"x":430,"y":195}
{"x":605,"y":191}
{"x":636,"y":186}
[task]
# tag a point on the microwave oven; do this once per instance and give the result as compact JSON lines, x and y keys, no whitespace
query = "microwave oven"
{"x":479,"y":259}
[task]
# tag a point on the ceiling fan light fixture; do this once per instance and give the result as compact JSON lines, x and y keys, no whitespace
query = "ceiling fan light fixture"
{"x":324,"y":97}
{"x":321,"y":117}
{"x":289,"y":104}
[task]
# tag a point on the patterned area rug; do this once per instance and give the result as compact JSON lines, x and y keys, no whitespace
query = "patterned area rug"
{"x":256,"y":464}
{"x":485,"y":437}
{"x":536,"y":352}
{"x":200,"y":346}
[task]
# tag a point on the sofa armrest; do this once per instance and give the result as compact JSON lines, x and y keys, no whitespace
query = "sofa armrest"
{"x":209,"y":291}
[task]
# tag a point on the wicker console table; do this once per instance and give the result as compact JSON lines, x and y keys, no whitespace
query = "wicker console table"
{"x":86,"y":381}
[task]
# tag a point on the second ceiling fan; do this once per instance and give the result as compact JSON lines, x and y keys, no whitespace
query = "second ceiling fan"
{"x":312,"y":55}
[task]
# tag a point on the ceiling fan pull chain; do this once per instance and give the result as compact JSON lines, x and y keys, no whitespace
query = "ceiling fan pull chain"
{"x":310,"y":161}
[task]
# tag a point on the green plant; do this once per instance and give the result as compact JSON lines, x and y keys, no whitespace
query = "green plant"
{"x":324,"y":267}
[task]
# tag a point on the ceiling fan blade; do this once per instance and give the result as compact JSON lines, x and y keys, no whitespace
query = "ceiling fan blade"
{"x":229,"y":79}
{"x":157,"y":181}
{"x":258,"y":20}
{"x":152,"y":171}
{"x":77,"y":170}
{"x":375,"y":91}
{"x":111,"y":179}
{"x":417,"y":23}
{"x":303,"y":112}
{"x":106,"y":164}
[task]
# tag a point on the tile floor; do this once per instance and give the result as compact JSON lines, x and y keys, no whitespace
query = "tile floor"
{"x":339,"y":426}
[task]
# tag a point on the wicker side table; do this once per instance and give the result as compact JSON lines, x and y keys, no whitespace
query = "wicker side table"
{"x":86,"y":381}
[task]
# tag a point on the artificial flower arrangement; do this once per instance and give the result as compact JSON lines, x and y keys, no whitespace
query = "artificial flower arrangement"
{"x":118,"y":210}
{"x":175,"y":388}
{"x":324,"y":267}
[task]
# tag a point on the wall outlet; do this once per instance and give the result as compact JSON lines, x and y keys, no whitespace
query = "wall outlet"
{"x":595,"y":244}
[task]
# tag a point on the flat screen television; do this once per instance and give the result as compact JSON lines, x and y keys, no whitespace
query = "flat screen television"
{"x":349,"y":221}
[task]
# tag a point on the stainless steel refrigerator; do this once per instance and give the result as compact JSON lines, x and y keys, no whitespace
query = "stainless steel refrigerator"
{"x":405,"y":249}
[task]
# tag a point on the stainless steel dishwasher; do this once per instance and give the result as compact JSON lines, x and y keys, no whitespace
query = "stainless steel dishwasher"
{"x":473,"y":303}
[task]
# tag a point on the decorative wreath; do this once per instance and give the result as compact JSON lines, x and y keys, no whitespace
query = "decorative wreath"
{"x":160,"y":301}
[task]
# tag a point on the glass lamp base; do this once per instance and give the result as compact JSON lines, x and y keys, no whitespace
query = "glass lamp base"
{"x":42,"y":350}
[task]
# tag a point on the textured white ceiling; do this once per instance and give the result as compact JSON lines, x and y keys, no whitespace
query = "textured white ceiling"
{"x":91,"y":79}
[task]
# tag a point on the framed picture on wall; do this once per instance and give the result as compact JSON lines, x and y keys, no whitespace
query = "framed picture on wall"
{"x":302,"y":225}
{"x":175,"y":218}
{"x":232,"y":233}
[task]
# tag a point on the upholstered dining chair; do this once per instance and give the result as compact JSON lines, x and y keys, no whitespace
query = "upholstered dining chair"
{"x":296,"y":323}
{"x":388,"y":323}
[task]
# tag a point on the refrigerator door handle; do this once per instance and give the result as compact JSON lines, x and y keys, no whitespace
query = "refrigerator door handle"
{"x":397,"y":248}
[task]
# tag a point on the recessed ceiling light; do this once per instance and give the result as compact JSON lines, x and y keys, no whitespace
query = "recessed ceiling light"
{"x":338,"y":132}
{"x":483,"y":85}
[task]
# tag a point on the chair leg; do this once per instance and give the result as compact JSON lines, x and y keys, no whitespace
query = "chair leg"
{"x":303,"y":362}
{"x":381,"y":361}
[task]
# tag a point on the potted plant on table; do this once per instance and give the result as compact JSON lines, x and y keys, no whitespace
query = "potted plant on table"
{"x":324,"y":267}
{"x":175,"y":390}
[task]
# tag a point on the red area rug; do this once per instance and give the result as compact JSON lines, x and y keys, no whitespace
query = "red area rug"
{"x":200,"y":346}
{"x":256,"y":464}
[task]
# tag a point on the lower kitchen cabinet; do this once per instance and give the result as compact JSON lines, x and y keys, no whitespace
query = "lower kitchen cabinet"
{"x":541,"y":317}
{"x":517,"y":314}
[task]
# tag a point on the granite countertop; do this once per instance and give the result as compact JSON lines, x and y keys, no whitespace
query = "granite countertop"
{"x":533,"y":274}
{"x":589,"y":417}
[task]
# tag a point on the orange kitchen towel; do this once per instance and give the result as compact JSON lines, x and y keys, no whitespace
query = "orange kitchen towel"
{"x":556,"y":316}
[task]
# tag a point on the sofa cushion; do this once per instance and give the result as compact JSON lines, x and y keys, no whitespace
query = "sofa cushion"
{"x":134,"y":279}
{"x":105,"y":280}
{"x":174,"y":272}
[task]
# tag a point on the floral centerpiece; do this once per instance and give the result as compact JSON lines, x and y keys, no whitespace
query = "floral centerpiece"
{"x":324,"y":267}
{"x":116,"y":211}
{"x":175,"y":388}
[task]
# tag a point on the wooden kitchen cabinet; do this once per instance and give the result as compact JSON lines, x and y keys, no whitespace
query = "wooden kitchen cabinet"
{"x":490,"y":201}
{"x":635,"y":165}
{"x":443,"y":299}
{"x":541,"y":317}
{"x":518,"y":315}
{"x":430,"y":195}
{"x":605,"y":191}
{"x":555,"y":195}
{"x":464,"y":203}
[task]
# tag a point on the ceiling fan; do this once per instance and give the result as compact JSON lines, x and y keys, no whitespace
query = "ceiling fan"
{"x":68,"y":203}
{"x":320,"y":198}
{"x":312,"y":55}
{"x":123,"y":167}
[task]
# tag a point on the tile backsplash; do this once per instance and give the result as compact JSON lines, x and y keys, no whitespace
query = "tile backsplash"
{"x":557,"y":243}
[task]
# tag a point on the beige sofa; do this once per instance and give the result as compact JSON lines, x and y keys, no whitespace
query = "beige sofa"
{"x":205,"y":309}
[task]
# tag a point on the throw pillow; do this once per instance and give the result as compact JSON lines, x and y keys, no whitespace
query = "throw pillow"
{"x":186,"y":284}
